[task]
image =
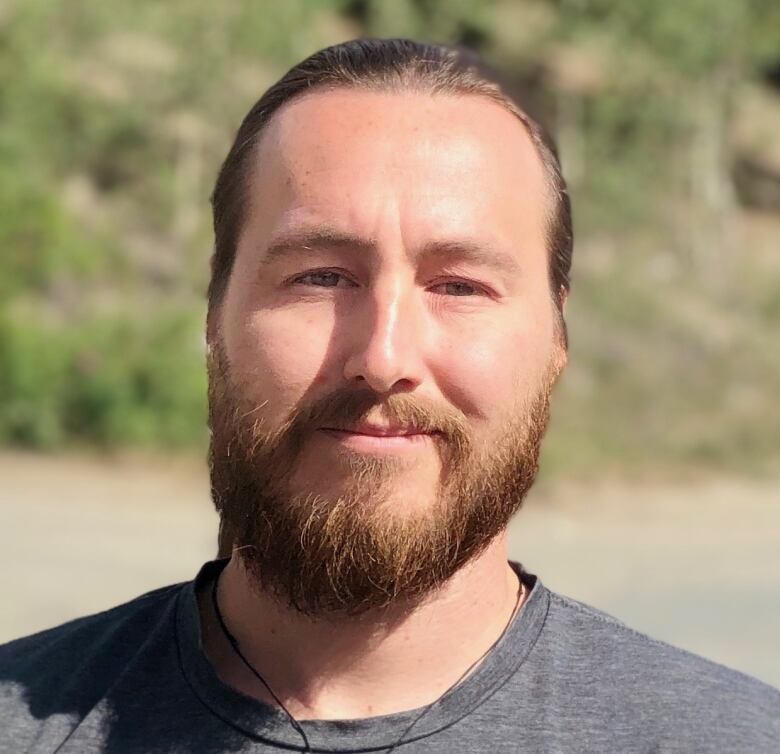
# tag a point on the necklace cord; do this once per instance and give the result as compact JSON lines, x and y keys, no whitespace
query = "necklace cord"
{"x":234,"y":644}
{"x":298,"y":727}
{"x":465,"y":674}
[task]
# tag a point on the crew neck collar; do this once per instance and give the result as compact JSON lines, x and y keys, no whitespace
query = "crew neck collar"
{"x":265,"y":723}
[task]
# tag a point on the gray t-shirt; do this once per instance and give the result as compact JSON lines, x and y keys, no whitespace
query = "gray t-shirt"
{"x":565,"y":678}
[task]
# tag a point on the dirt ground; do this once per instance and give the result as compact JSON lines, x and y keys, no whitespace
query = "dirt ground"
{"x":695,"y":564}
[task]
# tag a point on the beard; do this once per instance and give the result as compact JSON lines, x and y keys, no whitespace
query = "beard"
{"x":342,"y":549}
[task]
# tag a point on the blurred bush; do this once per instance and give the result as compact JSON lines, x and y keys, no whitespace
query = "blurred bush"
{"x":106,"y":380}
{"x":114,"y":118}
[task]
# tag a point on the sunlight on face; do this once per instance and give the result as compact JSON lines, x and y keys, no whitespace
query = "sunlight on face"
{"x":394,"y":243}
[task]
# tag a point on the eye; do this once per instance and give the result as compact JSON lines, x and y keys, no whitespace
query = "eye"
{"x":323,"y":279}
{"x":460,"y":288}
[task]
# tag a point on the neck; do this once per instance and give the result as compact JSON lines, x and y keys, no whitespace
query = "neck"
{"x":401,"y":658}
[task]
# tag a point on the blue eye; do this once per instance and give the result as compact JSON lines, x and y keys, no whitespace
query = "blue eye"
{"x":321,"y":279}
{"x":460,"y":288}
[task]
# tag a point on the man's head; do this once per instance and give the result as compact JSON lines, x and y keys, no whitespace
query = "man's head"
{"x":393,"y":242}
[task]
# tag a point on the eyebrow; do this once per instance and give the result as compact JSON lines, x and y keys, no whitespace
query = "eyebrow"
{"x":323,"y":239}
{"x":313,"y":240}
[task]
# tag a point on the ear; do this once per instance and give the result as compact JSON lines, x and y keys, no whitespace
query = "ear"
{"x":212,"y":310}
{"x":561,"y":353}
{"x":563,"y":297}
{"x":562,"y":340}
{"x":212,"y":325}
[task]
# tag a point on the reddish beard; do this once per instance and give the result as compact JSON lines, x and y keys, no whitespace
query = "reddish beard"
{"x":344,"y":553}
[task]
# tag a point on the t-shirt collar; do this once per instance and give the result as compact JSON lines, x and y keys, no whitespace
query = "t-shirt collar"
{"x":263,"y":722}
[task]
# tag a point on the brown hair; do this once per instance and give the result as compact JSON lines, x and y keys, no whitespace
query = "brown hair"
{"x":381,"y":64}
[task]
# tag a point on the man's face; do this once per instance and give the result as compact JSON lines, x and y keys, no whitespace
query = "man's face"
{"x":384,"y":351}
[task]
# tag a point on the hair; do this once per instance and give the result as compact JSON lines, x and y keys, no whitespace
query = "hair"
{"x":382,"y":65}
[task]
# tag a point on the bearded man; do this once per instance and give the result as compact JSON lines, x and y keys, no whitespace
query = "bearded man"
{"x":385,"y":327}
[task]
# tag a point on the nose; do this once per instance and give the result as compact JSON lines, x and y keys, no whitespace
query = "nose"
{"x":387,"y":337}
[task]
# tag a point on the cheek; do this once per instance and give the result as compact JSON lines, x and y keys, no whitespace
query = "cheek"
{"x":278,"y":358}
{"x":489,"y":368}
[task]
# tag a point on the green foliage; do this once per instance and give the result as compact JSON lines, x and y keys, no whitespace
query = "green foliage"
{"x":41,"y":243}
{"x":109,"y":381}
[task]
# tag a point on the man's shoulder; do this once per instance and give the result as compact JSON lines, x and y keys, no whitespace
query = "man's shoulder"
{"x":600,"y":640}
{"x":74,"y":650}
{"x":51,"y":681}
{"x":650,"y":680}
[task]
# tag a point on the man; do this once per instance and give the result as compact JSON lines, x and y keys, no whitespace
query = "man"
{"x":385,"y":327}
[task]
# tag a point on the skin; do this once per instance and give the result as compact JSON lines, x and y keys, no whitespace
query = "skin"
{"x":405,"y":181}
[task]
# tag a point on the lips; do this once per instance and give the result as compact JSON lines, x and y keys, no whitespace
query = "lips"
{"x":374,"y":430}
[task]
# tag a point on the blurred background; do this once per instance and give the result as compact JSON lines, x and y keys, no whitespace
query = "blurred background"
{"x":659,"y":499}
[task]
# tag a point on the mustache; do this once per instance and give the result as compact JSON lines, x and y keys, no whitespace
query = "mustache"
{"x":237,"y":422}
{"x":345,"y":407}
{"x":341,"y":409}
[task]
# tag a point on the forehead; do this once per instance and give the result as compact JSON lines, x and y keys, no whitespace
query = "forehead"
{"x":424,"y":165}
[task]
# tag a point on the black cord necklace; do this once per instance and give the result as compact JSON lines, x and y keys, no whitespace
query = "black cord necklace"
{"x":296,"y":725}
